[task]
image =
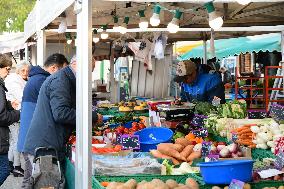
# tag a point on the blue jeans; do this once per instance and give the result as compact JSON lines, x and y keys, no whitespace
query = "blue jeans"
{"x":4,"y":167}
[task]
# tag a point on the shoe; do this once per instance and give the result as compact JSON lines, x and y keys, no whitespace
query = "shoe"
{"x":18,"y":172}
{"x":11,"y":166}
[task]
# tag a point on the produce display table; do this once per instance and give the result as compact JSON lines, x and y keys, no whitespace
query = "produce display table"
{"x":70,"y":179}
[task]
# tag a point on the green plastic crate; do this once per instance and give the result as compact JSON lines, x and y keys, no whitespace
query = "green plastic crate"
{"x":260,"y":154}
{"x":178,"y":178}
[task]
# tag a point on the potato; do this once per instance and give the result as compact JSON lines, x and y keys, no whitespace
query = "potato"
{"x":130,"y":184}
{"x":114,"y":185}
{"x":281,"y":187}
{"x":183,"y":187}
{"x":247,"y":186}
{"x":147,"y":185}
{"x":226,"y":187}
{"x":171,"y":183}
{"x":164,"y":186}
{"x":157,"y":182}
{"x":191,"y":183}
{"x":216,"y":187}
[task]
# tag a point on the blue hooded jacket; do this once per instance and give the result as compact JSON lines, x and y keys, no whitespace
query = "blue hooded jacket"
{"x":37,"y":76}
{"x":204,"y":88}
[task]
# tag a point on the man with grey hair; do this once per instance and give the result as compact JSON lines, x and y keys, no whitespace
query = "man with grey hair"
{"x":15,"y":83}
{"x":55,"y":112}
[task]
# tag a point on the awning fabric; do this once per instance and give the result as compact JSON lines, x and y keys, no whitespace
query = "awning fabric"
{"x":234,"y":46}
{"x":11,"y":42}
{"x":43,"y":14}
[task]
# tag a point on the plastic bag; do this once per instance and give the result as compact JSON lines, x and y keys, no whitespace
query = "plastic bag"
{"x":117,"y":165}
{"x":159,"y":50}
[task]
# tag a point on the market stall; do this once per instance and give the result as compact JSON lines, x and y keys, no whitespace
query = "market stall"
{"x":195,"y":145}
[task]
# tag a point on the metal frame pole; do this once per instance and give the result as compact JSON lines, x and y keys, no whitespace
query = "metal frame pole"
{"x":41,"y":47}
{"x":83,"y":160}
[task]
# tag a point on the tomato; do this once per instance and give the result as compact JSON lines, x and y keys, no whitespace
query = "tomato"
{"x":118,"y":148}
{"x":141,"y":126}
{"x":134,"y":124}
{"x":72,"y":139}
{"x":222,"y":143}
{"x":126,"y":131}
{"x":107,"y":131}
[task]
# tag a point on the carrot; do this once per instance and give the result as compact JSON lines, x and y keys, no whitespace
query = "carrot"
{"x":187,"y":151}
{"x":170,"y":151}
{"x":194,"y":155}
{"x":183,"y":141}
{"x":252,"y":146}
{"x":104,"y":184}
{"x":158,"y":154}
{"x":178,"y":147}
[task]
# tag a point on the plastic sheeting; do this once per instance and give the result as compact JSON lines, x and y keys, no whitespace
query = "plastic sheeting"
{"x":233,"y":46}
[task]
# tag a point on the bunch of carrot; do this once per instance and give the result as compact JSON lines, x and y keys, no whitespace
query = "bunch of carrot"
{"x":182,"y":151}
{"x":191,"y":137}
{"x":245,"y":135}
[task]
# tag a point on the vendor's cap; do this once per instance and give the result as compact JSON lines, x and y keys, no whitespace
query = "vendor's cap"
{"x":184,"y":69}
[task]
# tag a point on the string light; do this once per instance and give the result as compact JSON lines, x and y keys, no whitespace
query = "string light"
{"x":173,"y":26}
{"x":215,"y":20}
{"x":68,"y":38}
{"x":123,"y":27}
{"x":96,"y":37}
{"x":155,"y":19}
{"x":243,"y":2}
{"x":104,"y":34}
{"x":143,"y":24}
{"x":115,"y":25}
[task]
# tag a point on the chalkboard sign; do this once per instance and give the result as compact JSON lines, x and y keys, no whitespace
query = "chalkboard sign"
{"x":279,"y":162}
{"x":206,"y":148}
{"x":130,"y":142}
{"x":276,"y":112}
{"x":198,"y":120}
{"x":202,"y":132}
{"x":234,"y":136}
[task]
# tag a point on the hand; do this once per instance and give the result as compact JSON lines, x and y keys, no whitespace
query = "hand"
{"x":15,"y":104}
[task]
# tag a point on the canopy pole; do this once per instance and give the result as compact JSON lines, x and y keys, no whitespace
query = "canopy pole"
{"x":41,"y":47}
{"x":83,"y":160}
{"x":112,"y":81}
{"x":205,"y":52}
{"x":282,"y":45}
{"x":27,"y":52}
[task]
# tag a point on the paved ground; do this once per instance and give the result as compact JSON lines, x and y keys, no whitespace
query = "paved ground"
{"x":12,"y":183}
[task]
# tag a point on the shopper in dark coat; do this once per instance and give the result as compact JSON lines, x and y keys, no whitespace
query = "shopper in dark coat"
{"x":37,"y":76}
{"x":8,"y":116}
{"x":55,"y":114}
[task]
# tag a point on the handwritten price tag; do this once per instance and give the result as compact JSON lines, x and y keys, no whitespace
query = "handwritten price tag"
{"x":200,"y":133}
{"x":130,"y":142}
{"x":205,"y":149}
{"x":236,"y":184}
{"x":234,"y":136}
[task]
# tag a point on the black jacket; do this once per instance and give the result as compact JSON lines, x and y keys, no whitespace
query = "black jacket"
{"x":7,"y":116}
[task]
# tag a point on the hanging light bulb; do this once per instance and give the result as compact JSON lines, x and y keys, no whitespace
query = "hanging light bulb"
{"x":123,"y":27}
{"x":155,"y":19}
{"x":68,"y":38}
{"x":243,"y":2}
{"x":115,"y":24}
{"x":96,"y":37}
{"x":173,"y":26}
{"x":215,"y":20}
{"x":104,"y":34}
{"x":143,"y":24}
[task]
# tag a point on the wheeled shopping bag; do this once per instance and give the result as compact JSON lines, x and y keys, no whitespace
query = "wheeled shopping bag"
{"x":46,"y":172}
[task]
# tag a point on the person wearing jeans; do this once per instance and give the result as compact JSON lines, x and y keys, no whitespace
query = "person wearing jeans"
{"x":8,"y":116}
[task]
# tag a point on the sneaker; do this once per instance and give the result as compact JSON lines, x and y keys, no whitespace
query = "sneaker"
{"x":18,"y":172}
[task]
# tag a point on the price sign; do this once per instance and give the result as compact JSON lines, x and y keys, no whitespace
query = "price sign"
{"x":212,"y":157}
{"x":236,"y":184}
{"x":130,"y":142}
{"x":234,"y":136}
{"x":202,"y":132}
{"x":279,"y":162}
{"x":118,"y":139}
{"x":206,"y":147}
{"x":198,"y":120}
{"x":276,"y":112}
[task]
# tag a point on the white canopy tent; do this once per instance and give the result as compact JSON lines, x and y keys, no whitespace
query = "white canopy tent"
{"x":42,"y":15}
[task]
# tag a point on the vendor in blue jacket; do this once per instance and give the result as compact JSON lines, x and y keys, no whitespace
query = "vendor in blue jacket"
{"x":198,"y":85}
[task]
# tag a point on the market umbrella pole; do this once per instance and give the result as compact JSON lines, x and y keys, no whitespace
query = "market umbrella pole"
{"x":83,"y":95}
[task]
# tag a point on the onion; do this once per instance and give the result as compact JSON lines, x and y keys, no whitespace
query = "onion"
{"x":233,"y":148}
{"x":240,"y":154}
{"x":224,"y":152}
{"x":220,"y":147}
